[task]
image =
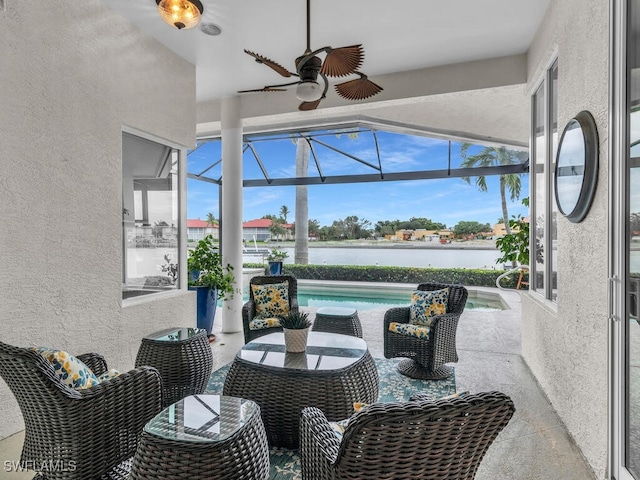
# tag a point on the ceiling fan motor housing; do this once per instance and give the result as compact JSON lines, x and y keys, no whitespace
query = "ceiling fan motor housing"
{"x":309,"y":71}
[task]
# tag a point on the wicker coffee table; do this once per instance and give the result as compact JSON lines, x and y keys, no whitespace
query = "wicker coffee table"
{"x":183,"y":358}
{"x":204,"y":437}
{"x":338,"y":320}
{"x":334,"y":372}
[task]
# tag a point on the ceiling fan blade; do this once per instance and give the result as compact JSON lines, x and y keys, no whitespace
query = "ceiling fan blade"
{"x":342,"y":61}
{"x":271,"y":88}
{"x":358,"y":89}
{"x":306,"y":106}
{"x":263,"y":89}
{"x":270,"y":63}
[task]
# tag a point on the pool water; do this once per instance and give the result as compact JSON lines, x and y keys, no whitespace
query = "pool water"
{"x":308,"y":297}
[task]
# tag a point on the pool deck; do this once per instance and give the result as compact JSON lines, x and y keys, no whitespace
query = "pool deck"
{"x":534,"y":446}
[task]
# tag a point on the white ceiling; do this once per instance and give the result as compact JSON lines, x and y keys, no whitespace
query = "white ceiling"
{"x":396,"y":36}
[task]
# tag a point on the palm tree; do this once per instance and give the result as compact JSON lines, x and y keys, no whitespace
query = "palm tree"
{"x":211,"y":220}
{"x":284,"y":211}
{"x":303,"y":151}
{"x":492,"y":156}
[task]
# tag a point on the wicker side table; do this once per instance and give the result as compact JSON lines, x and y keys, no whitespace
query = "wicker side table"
{"x":338,"y":320}
{"x":183,"y":358}
{"x":204,"y":437}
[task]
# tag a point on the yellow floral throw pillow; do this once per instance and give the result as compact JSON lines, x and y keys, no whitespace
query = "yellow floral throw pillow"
{"x":425,"y":305}
{"x":272,"y":300}
{"x":69,"y":369}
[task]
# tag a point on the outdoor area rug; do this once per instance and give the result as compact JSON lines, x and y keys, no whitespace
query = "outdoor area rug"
{"x":285,"y":464}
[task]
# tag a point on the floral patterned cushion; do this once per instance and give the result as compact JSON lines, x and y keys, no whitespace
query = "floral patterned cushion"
{"x":70,"y":370}
{"x":272,"y":300}
{"x":108,"y":375}
{"x":425,"y":305}
{"x":418,"y":331}
{"x":262,"y":323}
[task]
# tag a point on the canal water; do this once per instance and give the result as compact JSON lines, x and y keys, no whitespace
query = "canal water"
{"x":447,"y":257}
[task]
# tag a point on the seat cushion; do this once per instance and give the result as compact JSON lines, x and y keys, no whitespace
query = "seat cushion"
{"x":419,"y":331}
{"x":259,"y":323}
{"x":271,"y":300}
{"x":70,"y":370}
{"x":425,"y":305}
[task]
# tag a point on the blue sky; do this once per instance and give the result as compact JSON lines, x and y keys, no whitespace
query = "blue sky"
{"x":446,"y":201}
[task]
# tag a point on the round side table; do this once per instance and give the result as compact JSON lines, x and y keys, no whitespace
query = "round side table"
{"x":338,"y":320}
{"x":183,"y":358}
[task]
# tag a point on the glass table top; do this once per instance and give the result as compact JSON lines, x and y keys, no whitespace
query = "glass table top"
{"x":337,"y":311}
{"x":174,"y":334}
{"x":201,"y":418}
{"x":325,"y":351}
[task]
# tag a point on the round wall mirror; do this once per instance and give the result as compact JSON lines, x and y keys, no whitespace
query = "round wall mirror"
{"x":577,"y":167}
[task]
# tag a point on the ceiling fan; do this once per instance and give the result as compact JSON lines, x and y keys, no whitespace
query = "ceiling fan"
{"x":338,"y":62}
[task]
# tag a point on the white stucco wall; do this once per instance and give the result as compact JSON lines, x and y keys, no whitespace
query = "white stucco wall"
{"x":566,"y":345}
{"x":72,"y":74}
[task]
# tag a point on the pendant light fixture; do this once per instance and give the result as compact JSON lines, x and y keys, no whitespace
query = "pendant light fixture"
{"x":182,"y":14}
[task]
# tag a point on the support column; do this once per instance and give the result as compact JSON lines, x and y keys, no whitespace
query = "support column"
{"x":231,"y":124}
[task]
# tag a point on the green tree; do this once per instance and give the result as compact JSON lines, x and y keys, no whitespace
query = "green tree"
{"x":284,"y":211}
{"x":469,"y":228}
{"x":492,"y":156}
{"x":277,"y":229}
{"x":314,"y":227}
{"x":211,"y":220}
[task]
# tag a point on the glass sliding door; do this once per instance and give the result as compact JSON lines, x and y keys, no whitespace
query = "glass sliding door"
{"x":631,"y":327}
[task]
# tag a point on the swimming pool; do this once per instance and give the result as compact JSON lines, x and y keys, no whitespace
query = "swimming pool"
{"x":364,"y":299}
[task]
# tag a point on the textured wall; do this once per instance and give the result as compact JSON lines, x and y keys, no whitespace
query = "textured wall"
{"x":566,"y":345}
{"x":72,"y":73}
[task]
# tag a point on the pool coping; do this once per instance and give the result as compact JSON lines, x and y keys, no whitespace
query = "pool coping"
{"x":482,"y":293}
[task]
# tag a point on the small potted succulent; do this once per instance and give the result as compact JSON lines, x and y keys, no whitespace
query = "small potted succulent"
{"x":295,"y":326}
{"x":275,"y":258}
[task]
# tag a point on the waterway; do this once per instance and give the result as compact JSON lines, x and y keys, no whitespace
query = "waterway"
{"x":445,"y":257}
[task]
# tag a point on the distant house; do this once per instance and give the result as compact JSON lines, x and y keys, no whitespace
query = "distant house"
{"x":259,"y":230}
{"x":198,"y":229}
{"x":499,"y":229}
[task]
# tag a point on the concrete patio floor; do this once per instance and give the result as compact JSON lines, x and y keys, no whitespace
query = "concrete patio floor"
{"x":534,"y":446}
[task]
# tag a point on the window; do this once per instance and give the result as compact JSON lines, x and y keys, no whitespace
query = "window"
{"x":150,"y":216}
{"x":544,"y":211}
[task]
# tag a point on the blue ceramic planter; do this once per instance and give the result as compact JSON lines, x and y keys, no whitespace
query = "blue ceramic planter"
{"x":275,"y":268}
{"x":206,"y":303}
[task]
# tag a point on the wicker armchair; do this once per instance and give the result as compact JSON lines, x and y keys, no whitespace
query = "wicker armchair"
{"x":78,"y":434}
{"x":249,"y":308}
{"x":426,"y":356}
{"x":443,"y":440}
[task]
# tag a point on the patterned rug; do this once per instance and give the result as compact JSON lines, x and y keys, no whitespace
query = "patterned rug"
{"x":285,"y":464}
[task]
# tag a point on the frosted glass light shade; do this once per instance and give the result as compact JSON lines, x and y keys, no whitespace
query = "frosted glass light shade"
{"x":182,"y":14}
{"x":308,"y":91}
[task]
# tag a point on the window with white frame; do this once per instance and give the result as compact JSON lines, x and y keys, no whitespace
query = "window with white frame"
{"x":544,"y":211}
{"x":150,"y":216}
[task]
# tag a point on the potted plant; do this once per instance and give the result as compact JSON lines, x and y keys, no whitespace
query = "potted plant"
{"x":295,"y":326}
{"x":210,"y":280}
{"x":515,"y":246}
{"x":275,"y":258}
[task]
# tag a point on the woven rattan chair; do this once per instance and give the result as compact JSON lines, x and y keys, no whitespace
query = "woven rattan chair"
{"x":426,"y":356}
{"x":441,"y":440}
{"x":249,"y":308}
{"x":78,"y":434}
